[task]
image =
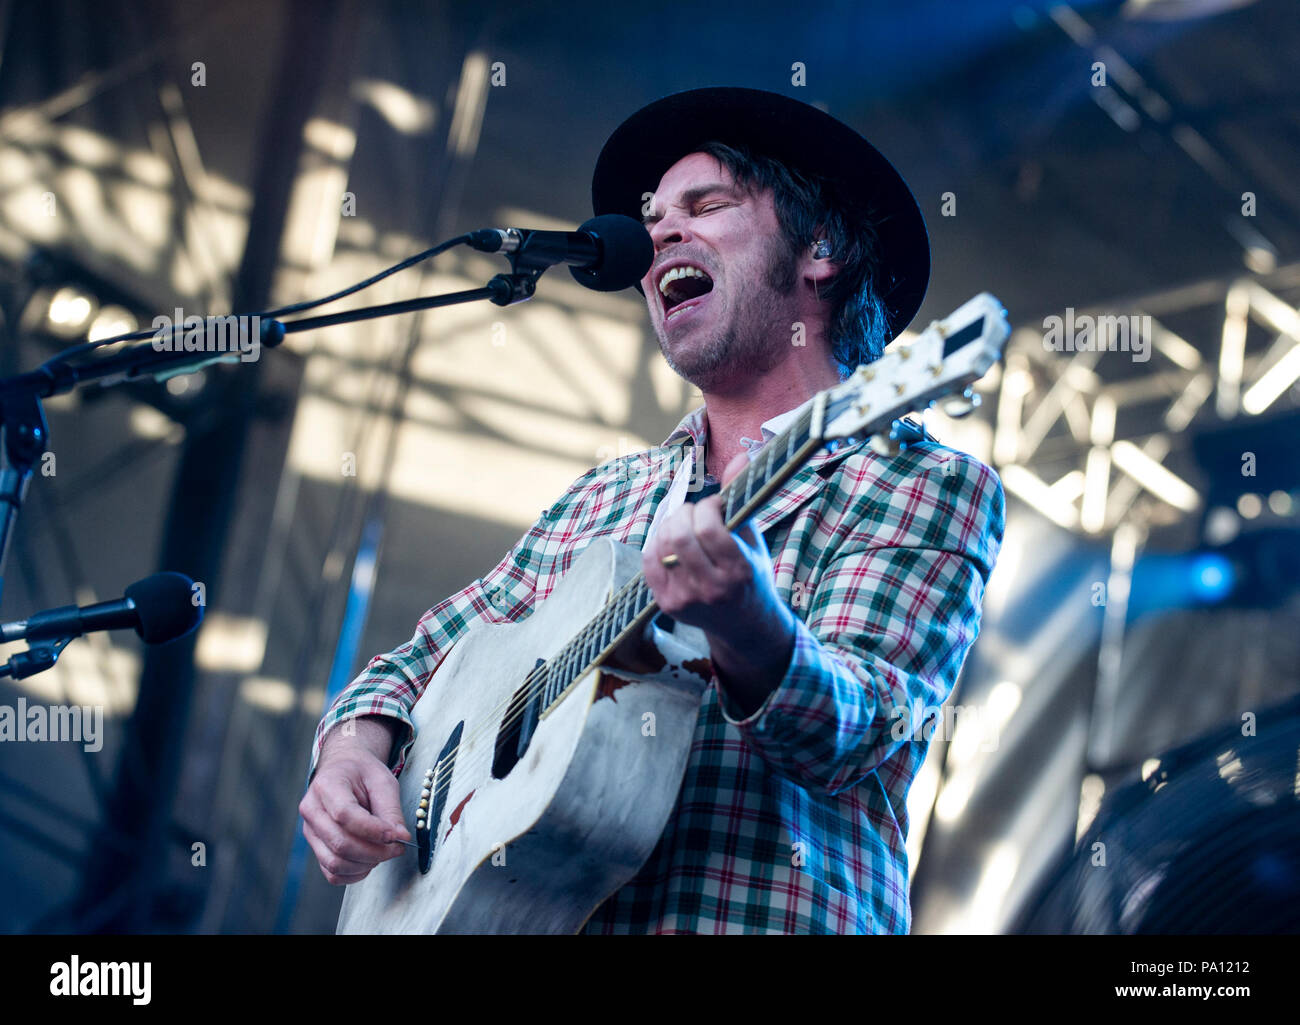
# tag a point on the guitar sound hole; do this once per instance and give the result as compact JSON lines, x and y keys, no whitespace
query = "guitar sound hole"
{"x":517,"y":728}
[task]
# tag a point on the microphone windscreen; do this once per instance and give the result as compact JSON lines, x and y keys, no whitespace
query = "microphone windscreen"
{"x":626,"y":253}
{"x":166,"y":606}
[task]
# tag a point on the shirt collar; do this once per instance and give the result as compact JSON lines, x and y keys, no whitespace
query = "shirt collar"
{"x":694,"y":428}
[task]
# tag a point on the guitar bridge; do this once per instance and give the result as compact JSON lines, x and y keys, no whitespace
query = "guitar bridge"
{"x":433,"y":799}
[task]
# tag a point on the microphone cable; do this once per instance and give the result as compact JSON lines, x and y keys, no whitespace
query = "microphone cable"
{"x":280,"y":311}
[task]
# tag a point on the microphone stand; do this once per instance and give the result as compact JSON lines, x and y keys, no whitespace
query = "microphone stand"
{"x":36,"y":659}
{"x":26,"y":432}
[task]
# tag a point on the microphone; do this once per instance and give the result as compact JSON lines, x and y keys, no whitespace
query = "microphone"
{"x":159,"y":608}
{"x":606,"y":253}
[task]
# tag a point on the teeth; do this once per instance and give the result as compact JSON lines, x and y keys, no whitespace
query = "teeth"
{"x":679,"y":272}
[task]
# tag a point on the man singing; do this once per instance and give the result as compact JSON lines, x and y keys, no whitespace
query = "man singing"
{"x":788,"y":251}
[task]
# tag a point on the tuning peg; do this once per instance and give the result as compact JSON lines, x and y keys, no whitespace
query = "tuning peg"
{"x":902,"y":432}
{"x":957,"y":406}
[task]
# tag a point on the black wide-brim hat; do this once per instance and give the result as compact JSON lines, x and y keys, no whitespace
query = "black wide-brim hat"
{"x":649,"y":142}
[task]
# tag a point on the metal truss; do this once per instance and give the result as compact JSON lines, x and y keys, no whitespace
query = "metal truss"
{"x":1085,"y":441}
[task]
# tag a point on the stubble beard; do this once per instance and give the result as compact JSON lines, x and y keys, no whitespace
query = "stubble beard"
{"x":753,"y":340}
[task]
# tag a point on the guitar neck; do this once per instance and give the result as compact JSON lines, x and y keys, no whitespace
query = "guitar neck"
{"x":633,"y":605}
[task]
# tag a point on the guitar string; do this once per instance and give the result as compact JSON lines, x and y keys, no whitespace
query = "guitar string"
{"x":538,"y":678}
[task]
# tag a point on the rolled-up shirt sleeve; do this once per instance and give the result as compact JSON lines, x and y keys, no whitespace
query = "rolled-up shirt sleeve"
{"x":887,"y":630}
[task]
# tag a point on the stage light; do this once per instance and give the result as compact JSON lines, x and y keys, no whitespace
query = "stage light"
{"x":1260,"y":259}
{"x":1249,"y":506}
{"x":111,"y":322}
{"x":70,"y":310}
{"x":186,"y":384}
{"x":1213,"y":577}
{"x":1177,"y":10}
{"x":1091,"y":790}
{"x":1230,"y":766}
{"x":1232,"y":350}
{"x":1179,"y":581}
{"x":1175,"y":348}
{"x":1032,"y":490}
{"x":1166,"y":486}
{"x":402,"y":109}
{"x":954,"y":795}
{"x":227,"y":643}
{"x":1275,"y":382}
{"x":1221,"y":525}
{"x":1096,"y":489}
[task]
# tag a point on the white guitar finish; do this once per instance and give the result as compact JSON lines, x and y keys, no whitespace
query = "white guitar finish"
{"x":538,"y":851}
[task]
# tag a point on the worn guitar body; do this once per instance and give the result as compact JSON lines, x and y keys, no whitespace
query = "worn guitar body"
{"x":538,"y":850}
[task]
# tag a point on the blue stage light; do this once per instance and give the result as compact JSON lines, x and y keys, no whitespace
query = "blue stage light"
{"x":1213,"y":577}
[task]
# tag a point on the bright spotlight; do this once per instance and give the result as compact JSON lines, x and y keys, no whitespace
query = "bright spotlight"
{"x":70,"y":309}
{"x":111,"y":322}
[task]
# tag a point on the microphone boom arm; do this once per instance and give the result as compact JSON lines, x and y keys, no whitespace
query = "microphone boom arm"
{"x":22,"y":418}
{"x":36,"y":659}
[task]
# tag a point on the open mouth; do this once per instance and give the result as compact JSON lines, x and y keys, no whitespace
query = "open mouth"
{"x":681,"y":284}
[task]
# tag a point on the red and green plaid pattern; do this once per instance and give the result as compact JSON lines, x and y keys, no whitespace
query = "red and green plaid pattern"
{"x":793,"y":820}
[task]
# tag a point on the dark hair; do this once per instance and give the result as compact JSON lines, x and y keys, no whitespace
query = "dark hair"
{"x":859,"y":325}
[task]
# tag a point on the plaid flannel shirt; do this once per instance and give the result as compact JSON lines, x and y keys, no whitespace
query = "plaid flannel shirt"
{"x":793,"y":820}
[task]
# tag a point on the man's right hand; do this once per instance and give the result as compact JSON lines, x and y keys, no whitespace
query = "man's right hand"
{"x":351,"y":813}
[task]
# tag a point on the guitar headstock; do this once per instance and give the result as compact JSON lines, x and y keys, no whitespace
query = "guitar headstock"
{"x":948,"y":357}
